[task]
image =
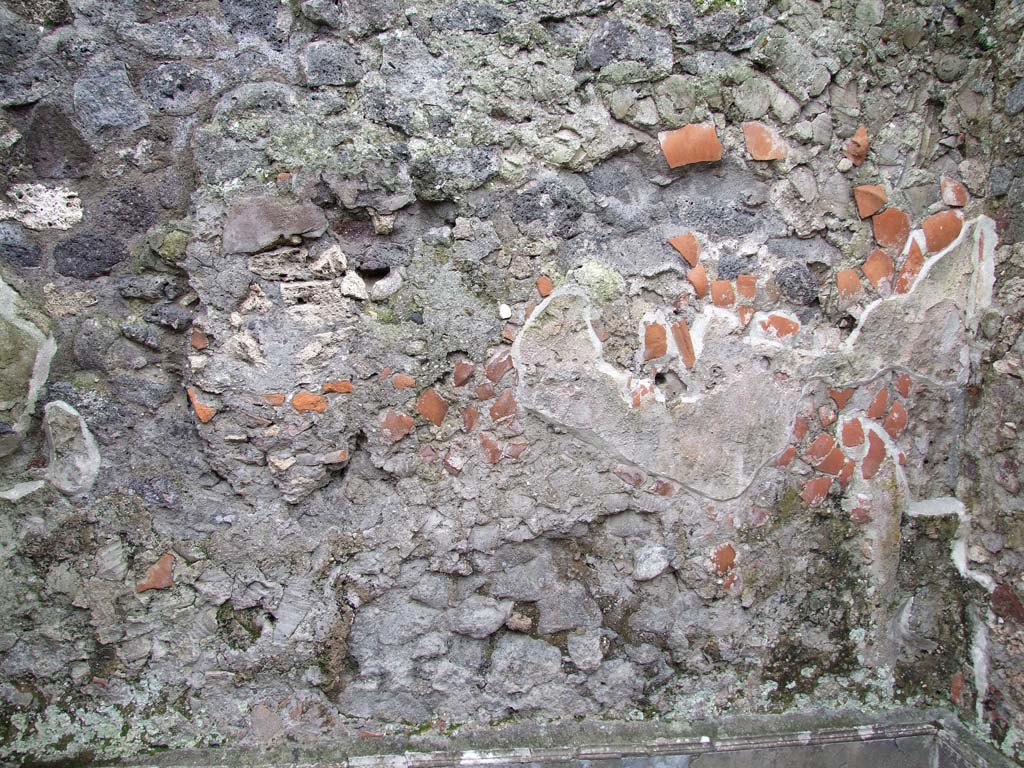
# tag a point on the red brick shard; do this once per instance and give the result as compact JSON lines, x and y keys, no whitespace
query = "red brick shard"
{"x":746,"y":314}
{"x":463,"y":372}
{"x":545,"y":286}
{"x":688,"y":247}
{"x":878,"y":268}
{"x":515,"y":448}
{"x":870,"y":199}
{"x":877,"y":408}
{"x":764,"y":143}
{"x":337,"y":388}
{"x":956,"y":689}
{"x":954,"y":193}
{"x":896,"y":420}
{"x":199,"y":339}
{"x":275,"y":399}
{"x":875,"y":456}
{"x":846,"y":474}
{"x":504,"y":407}
{"x":853,"y":433}
{"x":779,"y":326}
{"x":693,"y":143}
{"x":159,"y":576}
{"x":655,"y":341}
{"x":681,"y":335}
{"x":470,"y":417}
{"x":722,"y":293}
{"x":303,"y":402}
{"x":841,"y":396}
{"x":698,"y":278}
{"x":820,"y":448}
{"x":941,"y":230}
{"x":432,"y":407}
{"x":485,"y":391}
{"x":856,"y":148}
{"x":203,"y":412}
{"x":402,"y":381}
{"x":800,"y":427}
{"x":723,"y":558}
{"x":891,"y":228}
{"x":491,"y":449}
{"x":910,"y":270}
{"x":833,"y":463}
{"x":816,"y":491}
{"x":903,"y":384}
{"x":500,"y":364}
{"x":847,"y":284}
{"x":786,"y":457}
{"x":746,"y":286}
{"x":395,"y":426}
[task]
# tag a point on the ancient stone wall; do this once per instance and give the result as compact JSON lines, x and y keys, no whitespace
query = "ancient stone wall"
{"x":378,"y":368}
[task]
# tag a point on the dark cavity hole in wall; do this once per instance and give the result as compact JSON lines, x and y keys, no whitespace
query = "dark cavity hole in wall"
{"x":670,"y":383}
{"x":372,"y":276}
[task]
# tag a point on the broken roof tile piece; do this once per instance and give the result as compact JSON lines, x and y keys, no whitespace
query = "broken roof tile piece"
{"x":847,"y":284}
{"x":841,"y":396}
{"x":953,"y":192}
{"x":891,"y":228}
{"x":833,"y":463}
{"x":688,"y":247}
{"x":395,"y":425}
{"x":853,"y":433}
{"x":303,"y":402}
{"x":699,"y":280}
{"x":816,"y":490}
{"x":746,"y":315}
{"x":941,"y":229}
{"x":903,"y":383}
{"x":786,"y":457}
{"x":779,"y":326}
{"x":490,"y":447}
{"x":693,"y":143}
{"x":340,"y":387}
{"x":432,"y":407}
{"x":159,"y":576}
{"x":203,"y":411}
{"x":655,"y":341}
{"x":470,"y":417}
{"x":875,"y":456}
{"x":910,"y":269}
{"x":870,"y":199}
{"x":681,"y":335}
{"x":402,"y":381}
{"x":463,"y":372}
{"x":878,"y":268}
{"x":764,"y":143}
{"x":856,"y":149}
{"x":723,"y":558}
{"x":504,"y":407}
{"x":820,"y":448}
{"x":896,"y":420}
{"x":746,"y":285}
{"x":545,"y":286}
{"x":500,"y":364}
{"x":722,"y":293}
{"x":877,"y":408}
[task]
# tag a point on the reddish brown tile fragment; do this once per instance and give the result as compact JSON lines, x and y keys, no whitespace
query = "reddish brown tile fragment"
{"x":877,"y":408}
{"x":878,"y":268}
{"x":786,"y":457}
{"x":515,"y":448}
{"x":856,"y":148}
{"x":203,"y":412}
{"x":746,"y":315}
{"x":159,"y":576}
{"x":504,"y":407}
{"x":304,"y":402}
{"x":903,"y":384}
{"x":723,"y":558}
{"x":954,"y":193}
{"x":629,"y":476}
{"x":891,"y":228}
{"x":681,"y":336}
{"x":722,"y":293}
{"x":499,"y":364}
{"x":545,"y":286}
{"x":764,"y":143}
{"x":688,"y":247}
{"x":875,"y":456}
{"x":655,"y":341}
{"x":833,"y":463}
{"x":485,"y":391}
{"x":841,"y":396}
{"x":846,"y":473}
{"x":746,"y":285}
{"x":463,"y":372}
{"x":490,"y":447}
{"x":941,"y":229}
{"x":693,"y":143}
{"x":275,"y":399}
{"x":853,"y":433}
{"x":779,"y":326}
{"x":816,"y":490}
{"x":847,"y":284}
{"x":402,"y":381}
{"x":395,"y":426}
{"x":454,"y":461}
{"x":699,"y":280}
{"x":860,"y":515}
{"x":820,"y":448}
{"x":432,"y":407}
{"x":896,"y":420}
{"x":956,"y":689}
{"x":826,"y":416}
{"x":800,"y":427}
{"x":470,"y":417}
{"x":199,"y":339}
{"x":664,"y":488}
{"x":340,"y":387}
{"x":910,"y":270}
{"x":870,"y":199}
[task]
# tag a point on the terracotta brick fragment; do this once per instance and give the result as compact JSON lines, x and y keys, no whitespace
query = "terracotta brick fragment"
{"x":878,"y":268}
{"x":746,"y":315}
{"x":515,"y":448}
{"x":820,"y":448}
{"x":847,"y":284}
{"x":340,"y":387}
{"x":545,"y":286}
{"x":956,"y":689}
{"x":454,"y":461}
{"x":1006,"y":604}
{"x":846,"y":473}
{"x":826,"y":416}
{"x":910,"y":270}
{"x":681,"y":336}
{"x":853,"y":433}
{"x":722,"y":293}
{"x":723,"y":558}
{"x":655,"y":341}
{"x":833,"y":463}
{"x":698,"y":278}
{"x":860,"y":515}
{"x":786,"y":457}
{"x":856,"y":149}
{"x":764,"y":143}
{"x":203,"y":412}
{"x":470,"y":417}
{"x":490,"y":447}
{"x":504,"y":407}
{"x":870,"y":199}
{"x":877,"y":408}
{"x":485,"y":391}
{"x":431,"y":406}
{"x":499,"y":364}
{"x":891,"y":228}
{"x":841,"y":396}
{"x":779,"y":326}
{"x":664,"y":488}
{"x":396,"y":426}
{"x":896,"y":420}
{"x":875,"y":456}
{"x":688,"y":247}
{"x":693,"y":143}
{"x":746,"y":285}
{"x":339,"y":456}
{"x":199,"y":339}
{"x":629,"y":476}
{"x":402,"y":381}
{"x":903,"y":384}
{"x":954,"y":193}
{"x":941,"y":229}
{"x":800,"y":427}
{"x":303,"y":402}
{"x":159,"y":576}
{"x":816,"y":490}
{"x":463,"y":372}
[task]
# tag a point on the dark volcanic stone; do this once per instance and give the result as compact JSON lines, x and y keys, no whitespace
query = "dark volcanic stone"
{"x":104,"y":99}
{"x":55,"y":147}
{"x":327,"y":63}
{"x":89,"y":255}
{"x":469,"y":17}
{"x":797,"y":283}
{"x":16,"y":249}
{"x":176,"y":89}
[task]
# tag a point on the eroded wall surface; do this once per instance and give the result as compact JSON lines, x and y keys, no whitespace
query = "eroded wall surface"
{"x":378,"y":368}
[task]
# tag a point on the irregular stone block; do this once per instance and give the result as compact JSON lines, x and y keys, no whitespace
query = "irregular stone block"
{"x":104,"y":98}
{"x":74,"y":457}
{"x":256,"y":223}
